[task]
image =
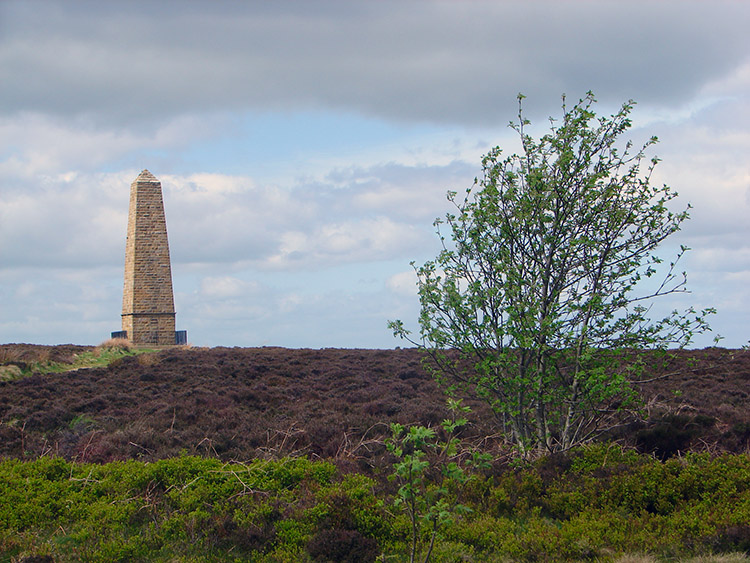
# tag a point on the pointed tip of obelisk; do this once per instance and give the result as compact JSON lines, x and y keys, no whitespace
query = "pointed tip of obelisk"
{"x":146,"y":176}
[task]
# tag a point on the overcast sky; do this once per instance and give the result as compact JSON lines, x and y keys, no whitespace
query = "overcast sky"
{"x":304,"y":149}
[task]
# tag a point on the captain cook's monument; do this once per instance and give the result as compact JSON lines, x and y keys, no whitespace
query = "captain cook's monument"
{"x":148,"y":315}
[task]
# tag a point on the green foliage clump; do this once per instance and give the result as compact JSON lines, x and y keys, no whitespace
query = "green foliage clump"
{"x":428,"y":471}
{"x":594,"y":503}
{"x":183,"y":508}
{"x":603,"y":499}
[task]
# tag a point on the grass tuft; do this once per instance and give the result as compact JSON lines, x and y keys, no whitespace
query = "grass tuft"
{"x":115,"y":344}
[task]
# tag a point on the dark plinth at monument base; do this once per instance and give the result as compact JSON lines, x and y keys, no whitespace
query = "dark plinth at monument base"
{"x":148,"y":313}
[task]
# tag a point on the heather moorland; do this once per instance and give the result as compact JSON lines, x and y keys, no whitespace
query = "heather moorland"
{"x":276,"y":454}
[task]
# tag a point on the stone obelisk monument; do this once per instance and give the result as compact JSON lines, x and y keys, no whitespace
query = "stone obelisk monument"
{"x":148,"y":315}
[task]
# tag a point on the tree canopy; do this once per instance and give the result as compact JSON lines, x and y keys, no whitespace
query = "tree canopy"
{"x":539,"y":286}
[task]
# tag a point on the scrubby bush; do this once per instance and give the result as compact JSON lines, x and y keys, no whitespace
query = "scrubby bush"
{"x":184,"y":508}
{"x":601,"y":502}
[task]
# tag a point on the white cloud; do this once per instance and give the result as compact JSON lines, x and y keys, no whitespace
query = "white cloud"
{"x":223,"y":287}
{"x":403,"y":283}
{"x":729,"y":261}
{"x":363,"y":240}
{"x":35,"y":144}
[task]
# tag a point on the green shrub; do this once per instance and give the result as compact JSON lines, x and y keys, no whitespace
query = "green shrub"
{"x":600,"y":503}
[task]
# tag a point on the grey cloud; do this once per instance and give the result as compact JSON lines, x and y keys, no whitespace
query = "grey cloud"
{"x":59,"y":305}
{"x":67,"y":222}
{"x":357,"y":214}
{"x":440,"y":62}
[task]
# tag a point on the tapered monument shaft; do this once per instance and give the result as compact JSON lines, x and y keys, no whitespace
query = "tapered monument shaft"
{"x":148,"y":314}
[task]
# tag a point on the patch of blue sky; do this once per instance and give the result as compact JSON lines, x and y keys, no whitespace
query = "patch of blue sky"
{"x":287,"y":147}
{"x":273,"y":145}
{"x":352,"y":278}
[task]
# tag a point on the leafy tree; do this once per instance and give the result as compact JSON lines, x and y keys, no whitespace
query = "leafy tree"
{"x":537,"y":289}
{"x":427,"y":469}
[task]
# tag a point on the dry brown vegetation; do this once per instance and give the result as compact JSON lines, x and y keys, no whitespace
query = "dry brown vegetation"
{"x":122,"y":344}
{"x":242,"y":403}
